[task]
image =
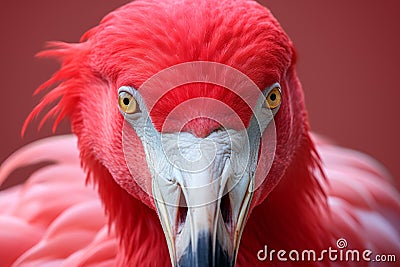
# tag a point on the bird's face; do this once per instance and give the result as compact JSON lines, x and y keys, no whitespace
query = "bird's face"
{"x":198,"y":133}
{"x":201,"y":155}
{"x":192,"y":107}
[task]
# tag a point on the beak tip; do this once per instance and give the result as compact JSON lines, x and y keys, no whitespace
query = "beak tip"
{"x":204,"y":255}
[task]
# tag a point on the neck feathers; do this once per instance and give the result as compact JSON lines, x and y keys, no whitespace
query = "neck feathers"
{"x":136,"y":225}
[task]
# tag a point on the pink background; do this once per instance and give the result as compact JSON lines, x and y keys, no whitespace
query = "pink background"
{"x":348,"y":64}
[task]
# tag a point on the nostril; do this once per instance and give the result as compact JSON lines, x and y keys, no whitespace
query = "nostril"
{"x":226,"y":209}
{"x":181,"y":214}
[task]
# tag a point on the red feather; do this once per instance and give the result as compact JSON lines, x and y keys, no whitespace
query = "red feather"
{"x":305,"y":201}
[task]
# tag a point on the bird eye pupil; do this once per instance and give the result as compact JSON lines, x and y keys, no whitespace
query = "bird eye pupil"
{"x":126,"y":101}
{"x":273,"y":97}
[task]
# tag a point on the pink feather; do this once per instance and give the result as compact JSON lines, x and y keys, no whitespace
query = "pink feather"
{"x":314,"y":194}
{"x":364,"y":207}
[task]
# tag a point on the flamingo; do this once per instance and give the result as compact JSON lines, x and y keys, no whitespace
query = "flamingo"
{"x":189,"y":121}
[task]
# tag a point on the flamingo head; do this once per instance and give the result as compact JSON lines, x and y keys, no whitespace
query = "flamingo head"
{"x":192,"y":107}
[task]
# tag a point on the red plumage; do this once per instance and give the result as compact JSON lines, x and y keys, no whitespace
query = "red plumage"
{"x":305,"y":201}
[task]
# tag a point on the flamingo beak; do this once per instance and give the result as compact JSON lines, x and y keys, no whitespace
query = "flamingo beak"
{"x":203,"y":202}
{"x":202,"y":186}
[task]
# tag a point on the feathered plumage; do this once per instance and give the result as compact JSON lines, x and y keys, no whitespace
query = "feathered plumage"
{"x":314,"y":193}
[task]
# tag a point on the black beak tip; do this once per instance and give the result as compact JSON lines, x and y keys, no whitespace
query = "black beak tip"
{"x":203,"y":256}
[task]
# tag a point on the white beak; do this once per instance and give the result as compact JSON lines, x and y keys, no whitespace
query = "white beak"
{"x":202,"y":190}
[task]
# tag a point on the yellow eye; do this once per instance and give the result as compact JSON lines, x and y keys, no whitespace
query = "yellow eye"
{"x":127,"y":103}
{"x":274,"y":98}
